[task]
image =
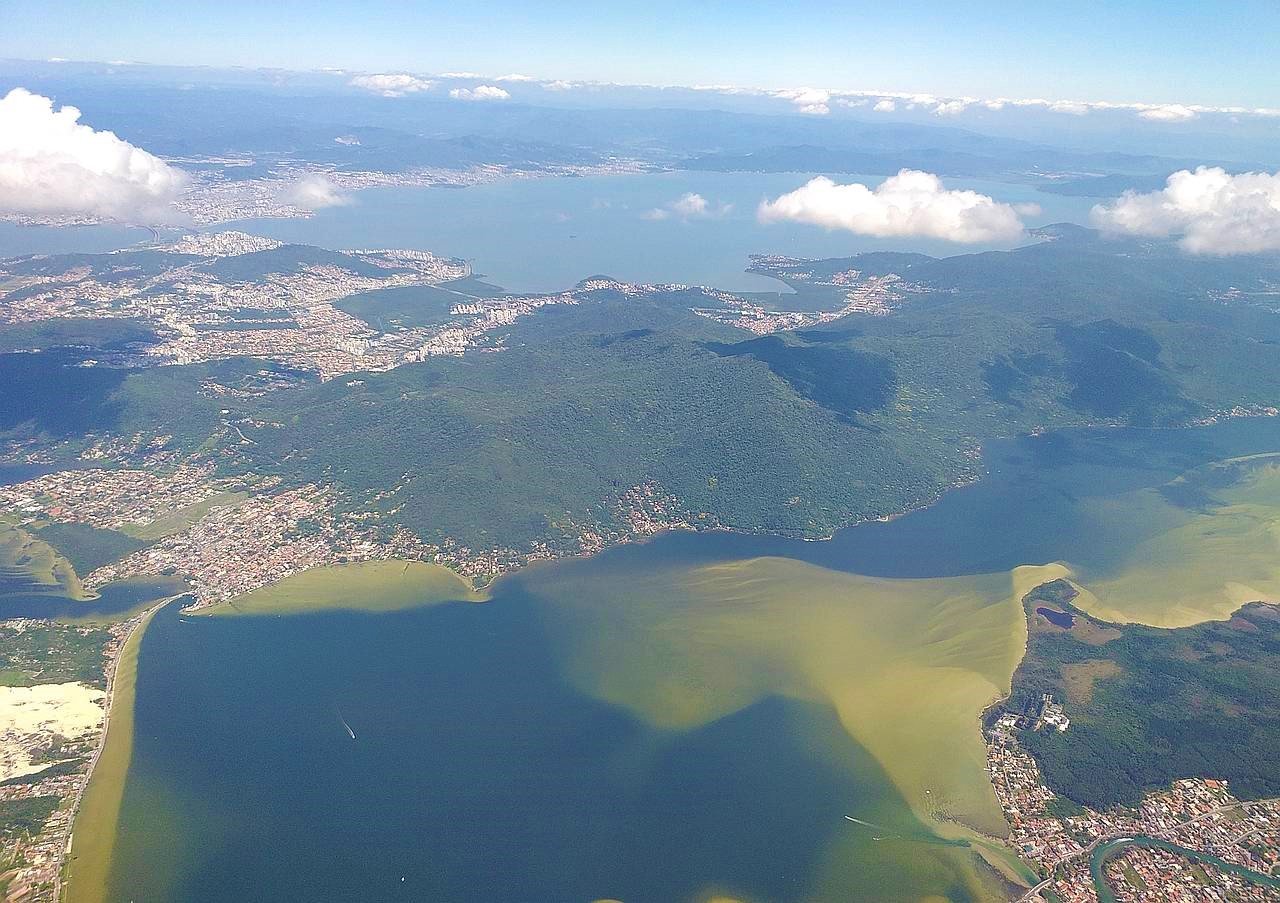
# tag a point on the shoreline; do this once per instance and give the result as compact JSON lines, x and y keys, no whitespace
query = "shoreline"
{"x":95,"y":800}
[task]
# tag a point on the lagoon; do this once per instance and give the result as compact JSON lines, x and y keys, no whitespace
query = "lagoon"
{"x":556,"y":231}
{"x":689,"y":718}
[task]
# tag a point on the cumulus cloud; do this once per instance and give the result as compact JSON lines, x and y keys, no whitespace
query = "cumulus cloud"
{"x":1213,"y":211}
{"x":515,"y":77}
{"x":884,"y":106}
{"x":689,"y":206}
{"x":811,"y":101}
{"x":912,"y":203}
{"x":480,"y":92}
{"x":53,"y":165}
{"x":392,"y":84}
{"x":315,"y":192}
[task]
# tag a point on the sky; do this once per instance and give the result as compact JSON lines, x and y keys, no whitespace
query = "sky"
{"x":1151,"y":51}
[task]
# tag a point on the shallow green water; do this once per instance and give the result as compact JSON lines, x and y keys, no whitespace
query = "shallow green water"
{"x":689,"y":718}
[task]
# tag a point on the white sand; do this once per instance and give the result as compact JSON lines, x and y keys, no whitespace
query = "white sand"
{"x":31,"y":716}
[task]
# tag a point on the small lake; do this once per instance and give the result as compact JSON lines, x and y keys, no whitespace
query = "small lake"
{"x":683,"y":720}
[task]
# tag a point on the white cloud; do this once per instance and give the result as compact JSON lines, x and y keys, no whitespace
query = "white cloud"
{"x":515,"y":77}
{"x":1172,"y":112}
{"x":51,"y":164}
{"x":1072,"y":107}
{"x":315,"y":192}
{"x":884,"y":105}
{"x":951,"y":107}
{"x":392,"y":84}
{"x":1213,"y":211}
{"x":461,"y":75}
{"x":689,"y":206}
{"x":912,"y":203}
{"x":480,"y":92}
{"x":812,"y":101}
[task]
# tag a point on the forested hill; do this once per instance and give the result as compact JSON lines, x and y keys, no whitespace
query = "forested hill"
{"x":800,"y":432}
{"x":1149,"y":706}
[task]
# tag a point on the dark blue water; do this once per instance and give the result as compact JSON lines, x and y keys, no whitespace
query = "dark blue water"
{"x":115,"y":599}
{"x":478,"y":774}
{"x":475,"y":773}
{"x":1063,"y":619}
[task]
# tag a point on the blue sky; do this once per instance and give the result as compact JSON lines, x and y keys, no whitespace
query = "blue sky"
{"x":1158,"y":52}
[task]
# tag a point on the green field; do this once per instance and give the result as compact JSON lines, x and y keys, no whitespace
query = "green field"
{"x":181,"y":519}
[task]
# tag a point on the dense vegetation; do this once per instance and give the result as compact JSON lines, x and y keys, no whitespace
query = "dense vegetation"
{"x":25,"y":816}
{"x":73,"y":331}
{"x":613,"y":394}
{"x":844,"y":380}
{"x":51,"y":654}
{"x":1148,"y":706}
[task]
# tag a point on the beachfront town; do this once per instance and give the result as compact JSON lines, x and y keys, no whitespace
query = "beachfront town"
{"x":1057,"y":838}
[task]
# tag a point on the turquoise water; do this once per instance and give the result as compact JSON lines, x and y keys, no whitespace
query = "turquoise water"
{"x":478,"y":772}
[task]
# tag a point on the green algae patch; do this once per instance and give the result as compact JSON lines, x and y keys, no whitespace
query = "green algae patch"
{"x":1205,"y":544}
{"x":371,"y":586}
{"x":88,"y":866}
{"x":907,"y":665}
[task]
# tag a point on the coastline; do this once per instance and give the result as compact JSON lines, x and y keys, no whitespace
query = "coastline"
{"x":400,"y":584}
{"x":96,"y":807}
{"x":315,"y":589}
